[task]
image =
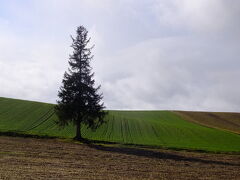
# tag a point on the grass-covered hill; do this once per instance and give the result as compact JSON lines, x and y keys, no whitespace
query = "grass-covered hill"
{"x":155,"y":128}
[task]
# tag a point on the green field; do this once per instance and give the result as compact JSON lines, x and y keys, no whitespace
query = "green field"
{"x":155,"y":128}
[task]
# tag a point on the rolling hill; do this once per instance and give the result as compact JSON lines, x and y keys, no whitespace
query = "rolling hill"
{"x":220,"y":120}
{"x":155,"y":128}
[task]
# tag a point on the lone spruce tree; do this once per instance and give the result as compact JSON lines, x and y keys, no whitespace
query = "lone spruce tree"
{"x":80,"y":103}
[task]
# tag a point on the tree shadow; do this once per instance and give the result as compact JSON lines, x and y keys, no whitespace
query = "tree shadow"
{"x":128,"y":150}
{"x":24,"y":135}
{"x":155,"y":154}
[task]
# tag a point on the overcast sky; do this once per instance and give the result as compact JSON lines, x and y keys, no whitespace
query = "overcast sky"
{"x":149,"y":54}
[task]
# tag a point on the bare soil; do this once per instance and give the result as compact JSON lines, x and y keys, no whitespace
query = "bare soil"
{"x":30,"y":158}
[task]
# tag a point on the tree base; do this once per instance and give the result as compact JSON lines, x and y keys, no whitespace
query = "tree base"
{"x":83,"y":140}
{"x":78,"y":138}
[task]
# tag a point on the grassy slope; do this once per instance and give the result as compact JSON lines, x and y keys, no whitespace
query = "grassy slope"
{"x":157,"y":128}
{"x":220,"y":120}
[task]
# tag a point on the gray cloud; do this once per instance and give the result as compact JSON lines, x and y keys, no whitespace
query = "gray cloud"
{"x":156,"y":54}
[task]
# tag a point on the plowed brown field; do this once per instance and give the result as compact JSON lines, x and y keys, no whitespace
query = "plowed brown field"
{"x":220,"y":120}
{"x":29,"y":158}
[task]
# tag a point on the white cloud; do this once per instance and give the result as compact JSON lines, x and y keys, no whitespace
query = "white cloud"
{"x":173,"y":73}
{"x":199,"y":15}
{"x":157,"y":54}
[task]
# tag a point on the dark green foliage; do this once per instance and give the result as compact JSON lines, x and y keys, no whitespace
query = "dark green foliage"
{"x":80,"y":101}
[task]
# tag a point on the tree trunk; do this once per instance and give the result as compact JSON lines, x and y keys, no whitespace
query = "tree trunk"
{"x":78,"y":131}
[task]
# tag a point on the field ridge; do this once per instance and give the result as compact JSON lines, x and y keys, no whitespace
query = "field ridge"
{"x":228,"y":121}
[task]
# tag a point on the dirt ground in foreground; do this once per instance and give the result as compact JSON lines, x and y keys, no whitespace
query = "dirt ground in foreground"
{"x":28,"y":158}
